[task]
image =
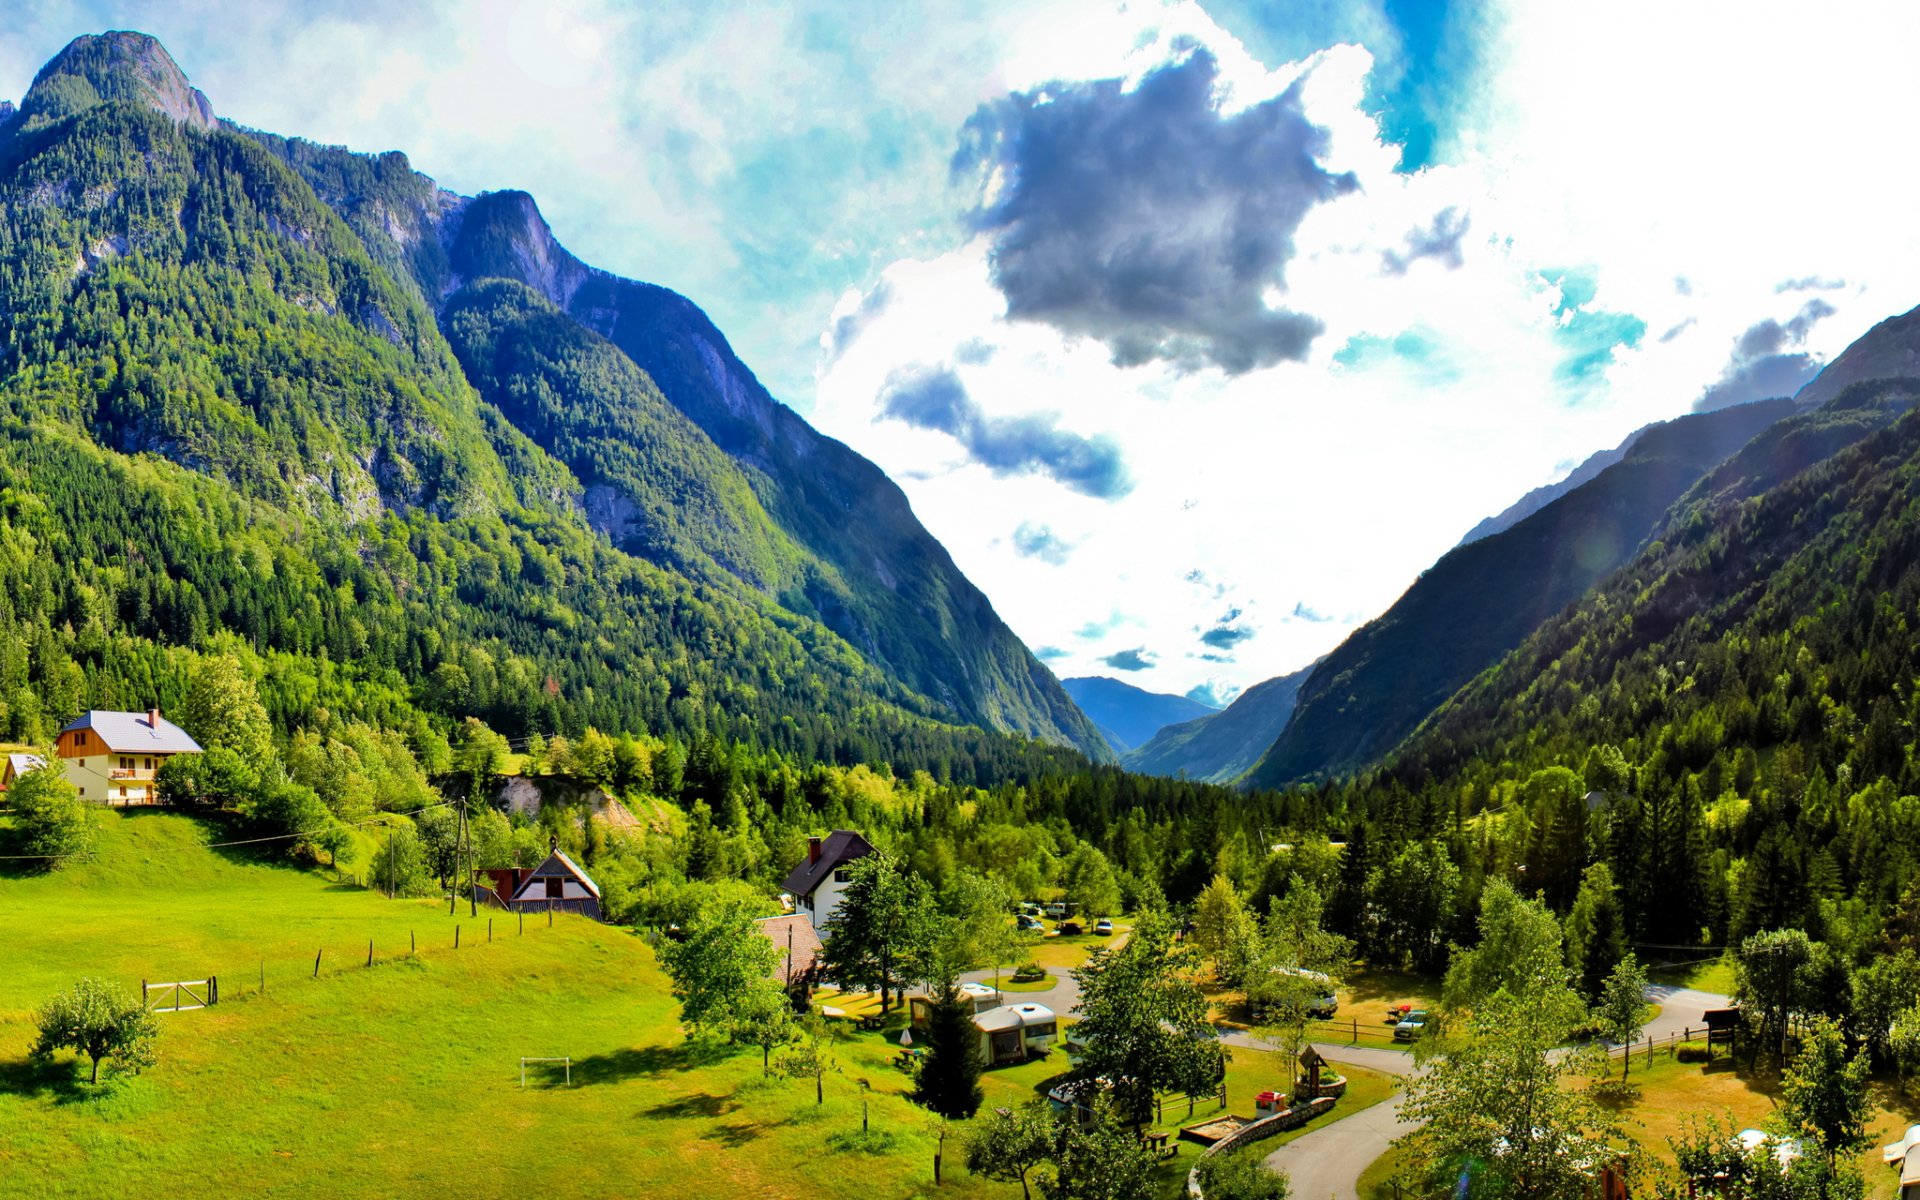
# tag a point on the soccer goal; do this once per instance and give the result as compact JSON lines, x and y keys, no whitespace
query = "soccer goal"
{"x":568,"y":1061}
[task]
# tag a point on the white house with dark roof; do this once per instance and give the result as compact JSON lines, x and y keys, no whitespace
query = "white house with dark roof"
{"x":818,"y":883}
{"x":111,"y":756}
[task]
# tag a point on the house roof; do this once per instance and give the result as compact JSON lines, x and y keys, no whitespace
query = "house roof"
{"x":131,"y":733}
{"x":1012,"y":1016}
{"x":22,"y":763}
{"x":795,"y":931}
{"x":839,"y":847}
{"x":558,"y":865}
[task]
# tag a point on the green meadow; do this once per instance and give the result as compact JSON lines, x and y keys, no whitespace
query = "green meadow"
{"x":403,"y":1079}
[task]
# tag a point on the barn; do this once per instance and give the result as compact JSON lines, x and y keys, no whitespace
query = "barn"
{"x":557,"y":885}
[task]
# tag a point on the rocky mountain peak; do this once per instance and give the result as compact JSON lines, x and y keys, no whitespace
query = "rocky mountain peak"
{"x":117,"y":65}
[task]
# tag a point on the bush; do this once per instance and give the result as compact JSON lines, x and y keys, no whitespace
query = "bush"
{"x":1029,"y":973}
{"x":51,"y":819}
{"x":101,"y":1022}
{"x":1240,"y":1176}
{"x":399,"y":867}
{"x":1693,"y":1054}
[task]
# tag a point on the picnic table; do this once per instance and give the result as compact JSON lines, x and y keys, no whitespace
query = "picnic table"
{"x":870,"y":1023}
{"x":1161,"y":1142}
{"x":906,"y":1058}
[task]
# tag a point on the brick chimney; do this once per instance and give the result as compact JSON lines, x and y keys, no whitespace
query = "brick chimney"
{"x":153,"y":719}
{"x":813,"y":850}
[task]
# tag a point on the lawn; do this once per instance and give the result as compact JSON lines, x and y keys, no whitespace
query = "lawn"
{"x":402,"y":1079}
{"x":1067,"y":952}
{"x":1713,"y":975}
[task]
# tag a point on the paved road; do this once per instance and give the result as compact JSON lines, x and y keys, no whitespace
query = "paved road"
{"x":1326,"y":1164}
{"x":1061,"y":997}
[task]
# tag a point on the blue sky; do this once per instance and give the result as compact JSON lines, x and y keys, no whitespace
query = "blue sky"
{"x":1194,"y":330}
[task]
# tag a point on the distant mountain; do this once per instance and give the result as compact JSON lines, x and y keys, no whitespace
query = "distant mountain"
{"x":1540,"y":497}
{"x":1890,"y":350}
{"x":1483,"y":599}
{"x":1221,"y":746}
{"x":399,"y":438}
{"x":1128,"y":715}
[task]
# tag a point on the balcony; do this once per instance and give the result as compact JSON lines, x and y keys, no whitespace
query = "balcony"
{"x":130,"y":775}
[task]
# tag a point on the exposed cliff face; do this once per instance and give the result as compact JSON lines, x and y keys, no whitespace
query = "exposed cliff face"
{"x":118,"y":65}
{"x":1890,"y":350}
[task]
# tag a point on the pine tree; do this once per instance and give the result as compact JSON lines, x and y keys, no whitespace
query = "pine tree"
{"x":950,"y":1077}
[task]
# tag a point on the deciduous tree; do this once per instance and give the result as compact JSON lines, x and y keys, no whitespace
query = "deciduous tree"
{"x":101,"y":1022}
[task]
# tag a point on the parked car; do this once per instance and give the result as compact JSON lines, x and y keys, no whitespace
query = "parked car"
{"x":1398,"y":1013}
{"x":1069,"y":928}
{"x":1025,"y":922}
{"x":1056,"y":910}
{"x":1321,"y":1003}
{"x":1103,"y":927}
{"x":1411,"y":1026}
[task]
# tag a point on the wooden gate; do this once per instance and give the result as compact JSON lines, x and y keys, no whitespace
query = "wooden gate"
{"x":180,"y":996}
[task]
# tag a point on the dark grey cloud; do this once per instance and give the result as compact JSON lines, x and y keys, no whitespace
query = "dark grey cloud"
{"x":1764,"y":363}
{"x":1226,"y":637}
{"x":1439,"y":241}
{"x":1041,"y":542}
{"x":1147,"y":218}
{"x":1137,"y":659}
{"x":934,"y":398}
{"x":847,"y":329}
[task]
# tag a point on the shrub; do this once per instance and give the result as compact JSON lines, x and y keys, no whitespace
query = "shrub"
{"x":1693,"y":1054}
{"x":1240,"y":1176}
{"x":1029,"y":973}
{"x":52,"y":821}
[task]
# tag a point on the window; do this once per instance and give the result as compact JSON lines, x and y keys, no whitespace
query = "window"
{"x":123,"y":791}
{"x":556,"y":888}
{"x":1042,"y":1030}
{"x":149,"y":763}
{"x":126,"y":764}
{"x":841,"y":875}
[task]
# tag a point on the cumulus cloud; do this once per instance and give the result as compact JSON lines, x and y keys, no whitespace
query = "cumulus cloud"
{"x":1139,"y":658}
{"x":1439,"y":241}
{"x":936,"y":399}
{"x":847,"y":327}
{"x":1763,"y":365}
{"x":1041,"y":542}
{"x":1148,"y":218}
{"x":1226,"y":637}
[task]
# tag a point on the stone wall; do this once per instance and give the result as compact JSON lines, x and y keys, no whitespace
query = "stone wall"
{"x":1246,"y":1135}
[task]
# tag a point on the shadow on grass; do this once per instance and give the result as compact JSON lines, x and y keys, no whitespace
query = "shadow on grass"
{"x":635,"y":1062}
{"x":742,"y":1133}
{"x":59,"y":1078}
{"x":700,"y":1104}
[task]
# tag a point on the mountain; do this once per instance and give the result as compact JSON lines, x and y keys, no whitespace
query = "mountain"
{"x":1540,"y":497}
{"x":261,"y":394}
{"x":1890,"y":350}
{"x":1219,"y":747}
{"x":1127,"y":715}
{"x":1482,"y":599}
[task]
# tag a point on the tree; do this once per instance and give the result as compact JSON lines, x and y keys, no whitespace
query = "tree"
{"x":1881,"y":991}
{"x":1413,"y":896}
{"x":763,"y":1017}
{"x":1494,"y":1106}
{"x":1825,"y":1092}
{"x":399,"y":867}
{"x":1622,"y":997}
{"x":882,"y":932}
{"x":1144,"y":1023}
{"x":1768,"y":980}
{"x":51,"y":820}
{"x":1008,"y":1145}
{"x":949,"y":1082}
{"x":1519,"y":950}
{"x":1223,"y":930}
{"x":970,"y":928}
{"x":810,"y":1058}
{"x":1596,"y":931}
{"x":720,"y":968}
{"x":1091,"y":884}
{"x":101,"y":1022}
{"x":222,"y":710}
{"x":1100,"y":1160}
{"x":1903,"y":1043}
{"x":1241,"y":1176}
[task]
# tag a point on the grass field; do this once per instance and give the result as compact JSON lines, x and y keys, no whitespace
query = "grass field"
{"x":403,"y":1079}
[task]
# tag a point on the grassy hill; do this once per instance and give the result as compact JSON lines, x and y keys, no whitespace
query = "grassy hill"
{"x":403,"y":1079}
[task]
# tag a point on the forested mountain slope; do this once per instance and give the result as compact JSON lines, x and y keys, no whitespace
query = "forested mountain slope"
{"x":1219,"y":747}
{"x":1743,"y":690}
{"x":1126,"y":715}
{"x":848,"y":552}
{"x":221,"y":416}
{"x":1481,"y":599}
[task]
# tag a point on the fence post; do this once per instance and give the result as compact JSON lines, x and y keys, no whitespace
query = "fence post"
{"x":1356,"y":1032}
{"x":489,"y":928}
{"x":456,"y":937}
{"x":213,"y":990}
{"x":143,"y":993}
{"x":369,"y":951}
{"x":523,"y":920}
{"x":263,"y":975}
{"x":413,"y":942}
{"x":316,"y":961}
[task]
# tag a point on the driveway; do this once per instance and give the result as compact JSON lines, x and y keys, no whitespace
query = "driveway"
{"x":1680,"y":1009}
{"x":1060,"y":997}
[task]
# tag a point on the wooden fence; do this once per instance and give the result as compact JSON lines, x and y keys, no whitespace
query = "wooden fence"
{"x":180,"y":996}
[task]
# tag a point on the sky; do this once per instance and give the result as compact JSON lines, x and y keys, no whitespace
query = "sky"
{"x":1195,"y":331}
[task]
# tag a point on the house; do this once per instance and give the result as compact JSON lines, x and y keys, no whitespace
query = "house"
{"x":557,"y":885}
{"x":818,"y":883}
{"x":982,"y":997}
{"x":1013,"y":1033}
{"x":16,"y":765}
{"x":799,"y":947}
{"x":111,"y":757}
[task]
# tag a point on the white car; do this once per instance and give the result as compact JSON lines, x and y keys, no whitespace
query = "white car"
{"x":1056,"y":910}
{"x":1411,"y":1026}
